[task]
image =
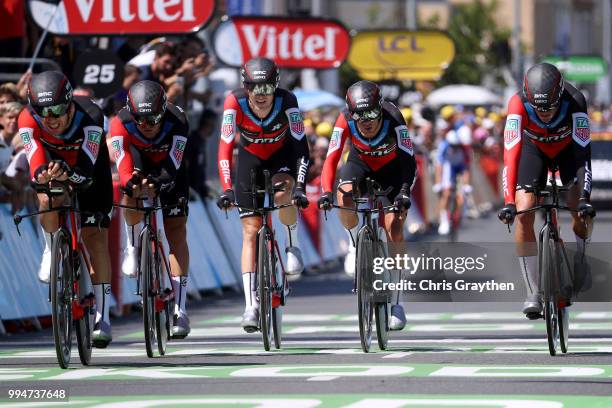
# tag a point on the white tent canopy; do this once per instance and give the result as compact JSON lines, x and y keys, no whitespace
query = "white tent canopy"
{"x":463,"y":95}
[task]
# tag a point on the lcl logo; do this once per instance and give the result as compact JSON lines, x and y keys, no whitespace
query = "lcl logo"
{"x":399,"y":43}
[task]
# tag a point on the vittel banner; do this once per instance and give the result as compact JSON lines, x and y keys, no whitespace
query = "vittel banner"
{"x":119,"y":17}
{"x":291,"y":43}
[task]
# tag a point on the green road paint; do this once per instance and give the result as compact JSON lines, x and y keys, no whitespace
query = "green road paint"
{"x":414,"y":317}
{"x":313,"y":372}
{"x":327,"y":401}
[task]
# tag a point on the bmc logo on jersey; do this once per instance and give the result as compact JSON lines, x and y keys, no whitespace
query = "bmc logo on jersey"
{"x":511,"y":131}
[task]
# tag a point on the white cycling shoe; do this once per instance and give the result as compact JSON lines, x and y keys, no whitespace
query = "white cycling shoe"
{"x":44,"y":271}
{"x":250,"y":319}
{"x":349,"y":261}
{"x":130,"y":261}
{"x":444,"y":228}
{"x":398,"y":318}
{"x":295,"y":264}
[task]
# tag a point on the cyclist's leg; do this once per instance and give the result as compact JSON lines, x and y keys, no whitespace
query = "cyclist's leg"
{"x":356,"y":169}
{"x":251,"y":223}
{"x":532,"y":167}
{"x":175,"y":228}
{"x":96,"y":204}
{"x":447,"y":182}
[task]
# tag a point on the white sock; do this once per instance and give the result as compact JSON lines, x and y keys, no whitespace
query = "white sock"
{"x":179,"y":286}
{"x":48,"y":240}
{"x":581,"y":244}
{"x":444,"y":217}
{"x":250,"y":289}
{"x":102,"y":292}
{"x":529,"y":270}
{"x":292,"y":235}
{"x":132,"y":233}
{"x":353,"y":232}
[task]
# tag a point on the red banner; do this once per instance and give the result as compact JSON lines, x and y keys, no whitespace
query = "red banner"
{"x":291,"y":43}
{"x":118,"y":17}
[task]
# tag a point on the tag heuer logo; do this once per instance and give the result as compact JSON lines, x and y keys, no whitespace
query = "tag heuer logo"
{"x":512,"y":124}
{"x":582,"y":123}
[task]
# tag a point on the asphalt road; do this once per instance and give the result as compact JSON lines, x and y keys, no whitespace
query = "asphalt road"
{"x":449,"y":354}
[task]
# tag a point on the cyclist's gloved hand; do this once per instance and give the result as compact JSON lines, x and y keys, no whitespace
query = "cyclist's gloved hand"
{"x":226,"y":200}
{"x":134,"y":182}
{"x":507,"y":214}
{"x":299,"y":198}
{"x":585,"y":209}
{"x":437,"y":188}
{"x":402,"y":201}
{"x":160,"y":185}
{"x":326,"y":201}
{"x":467,"y":189}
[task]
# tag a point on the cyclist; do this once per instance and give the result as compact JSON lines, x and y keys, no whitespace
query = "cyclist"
{"x":271,"y":137}
{"x":63,"y":137}
{"x":453,"y":162}
{"x":547,"y":125}
{"x":380,"y":149}
{"x":148,"y":139}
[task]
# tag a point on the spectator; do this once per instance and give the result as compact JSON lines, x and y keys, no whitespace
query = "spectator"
{"x":13,"y":167}
{"x":195,"y":156}
{"x":8,"y":93}
{"x":114,"y":103}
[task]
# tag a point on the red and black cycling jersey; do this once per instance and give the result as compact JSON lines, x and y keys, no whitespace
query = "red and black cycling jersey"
{"x":78,"y":146}
{"x":262,"y":137}
{"x":570,"y":126}
{"x":391,"y":142}
{"x":161,"y":155}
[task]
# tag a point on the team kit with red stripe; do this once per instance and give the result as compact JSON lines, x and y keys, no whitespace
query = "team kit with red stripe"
{"x":532,"y":147}
{"x":83,"y":148}
{"x":388,"y":157}
{"x":276,"y":143}
{"x":160,"y":156}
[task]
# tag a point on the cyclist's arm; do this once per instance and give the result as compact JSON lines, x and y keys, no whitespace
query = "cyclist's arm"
{"x":173,"y":160}
{"x":581,"y":140}
{"x":442,"y":147}
{"x":334,"y":153}
{"x":300,"y":143}
{"x":30,"y":136}
{"x":512,"y":147}
{"x":120,"y":148}
{"x":226,"y":143}
{"x":406,"y":155}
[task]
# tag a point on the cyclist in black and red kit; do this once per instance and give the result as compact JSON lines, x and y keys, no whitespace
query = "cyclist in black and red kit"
{"x":148,"y":139}
{"x":547,"y":126}
{"x":380,"y":149}
{"x":63,"y":137}
{"x":271,"y":137}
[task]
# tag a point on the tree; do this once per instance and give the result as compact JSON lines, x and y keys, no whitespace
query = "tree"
{"x":480,"y":46}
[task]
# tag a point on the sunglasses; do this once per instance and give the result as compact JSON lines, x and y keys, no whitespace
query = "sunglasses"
{"x":55,"y":111}
{"x":546,"y":108}
{"x":150,"y":120}
{"x":366,"y":115}
{"x":261,"y":89}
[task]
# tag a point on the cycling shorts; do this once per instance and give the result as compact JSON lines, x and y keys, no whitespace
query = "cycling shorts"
{"x":390,"y":175}
{"x":96,"y":203}
{"x":179,"y":190}
{"x":450,"y":173}
{"x":534,"y":165}
{"x":282,"y":161}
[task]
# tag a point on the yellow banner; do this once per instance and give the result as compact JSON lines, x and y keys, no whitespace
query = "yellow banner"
{"x":401,"y":54}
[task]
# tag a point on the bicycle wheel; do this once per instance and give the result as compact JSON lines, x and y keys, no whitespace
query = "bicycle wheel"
{"x":61,"y":296}
{"x":549,"y":272}
{"x":453,"y":215}
{"x":264,"y":282}
{"x":382,"y":308}
{"x":146,"y":288}
{"x":277,"y":324}
{"x":84,"y":325}
{"x":161,"y":312}
{"x":363,"y":269}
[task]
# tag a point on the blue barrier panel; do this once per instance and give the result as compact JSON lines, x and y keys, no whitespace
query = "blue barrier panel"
{"x":201,"y":270}
{"x":310,"y":255}
{"x":334,"y":238}
{"x":230,"y":234}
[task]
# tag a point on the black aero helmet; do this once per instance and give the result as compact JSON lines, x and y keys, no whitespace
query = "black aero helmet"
{"x":260,"y":70}
{"x":363,"y":100}
{"x":50,"y":93}
{"x":542,"y":86}
{"x":146,"y":101}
